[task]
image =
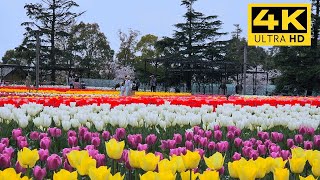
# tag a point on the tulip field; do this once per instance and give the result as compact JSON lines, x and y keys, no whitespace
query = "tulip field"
{"x":57,"y":133}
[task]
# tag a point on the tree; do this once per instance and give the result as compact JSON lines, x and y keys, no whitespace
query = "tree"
{"x":128,"y":43}
{"x":51,"y":18}
{"x":19,"y":56}
{"x":196,"y":41}
{"x":90,"y":49}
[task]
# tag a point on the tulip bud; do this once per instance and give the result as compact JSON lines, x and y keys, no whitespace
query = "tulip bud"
{"x":222,"y":146}
{"x":216,"y":127}
{"x":34,"y":135}
{"x":95,"y":134}
{"x":43,"y":154}
{"x":196,"y":129}
{"x":231,"y":128}
{"x":101,"y":159}
{"x":45,"y":143}
{"x":211,"y":146}
{"x":106,"y":135}
{"x":236,"y":156}
{"x":230,"y":135}
{"x":302,"y":130}
{"x":177,"y":138}
{"x":5,"y":161}
{"x":285,"y":154}
{"x":16,"y":133}
{"x":67,"y":166}
{"x":316,"y":140}
{"x":43,"y":135}
{"x":151,"y":139}
{"x":298,"y":138}
{"x":274,"y":154}
{"x":53,"y":162}
{"x":22,"y":144}
{"x":201,"y":132}
{"x":238,"y":142}
{"x":310,"y":131}
{"x":39,"y":173}
{"x":262,"y":149}
{"x":120,"y":133}
{"x":208,"y":134}
{"x":5,"y":141}
{"x":19,"y":168}
{"x":189,"y":145}
{"x":9,"y":151}
{"x":71,"y":133}
{"x":237,"y":132}
{"x":204,"y":142}
{"x":308,"y":145}
{"x":188,"y":135}
{"x":95,"y":141}
{"x":87,"y":136}
{"x":218,"y":135}
{"x":72,"y":141}
{"x":142,"y":147}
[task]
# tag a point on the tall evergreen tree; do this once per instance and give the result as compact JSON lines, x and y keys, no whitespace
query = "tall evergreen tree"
{"x":52,"y":18}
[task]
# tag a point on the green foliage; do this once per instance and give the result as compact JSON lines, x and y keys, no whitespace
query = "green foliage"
{"x":127,"y":50}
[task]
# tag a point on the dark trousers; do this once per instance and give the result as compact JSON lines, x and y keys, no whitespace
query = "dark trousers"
{"x":153,"y":88}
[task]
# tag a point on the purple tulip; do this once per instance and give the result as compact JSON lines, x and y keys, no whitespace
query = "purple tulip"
{"x":151,"y":139}
{"x":174,"y":152}
{"x":188,"y":135}
{"x":316,"y":140}
{"x":197,"y":138}
{"x":16,"y":133}
{"x":9,"y":151}
{"x":67,"y":166}
{"x":217,"y":135}
{"x":171,"y":144}
{"x":95,"y":134}
{"x":310,"y":131}
{"x":203,"y":142}
{"x":93,"y":152}
{"x":259,"y":142}
{"x":196,"y":129}
{"x":105,"y":135}
{"x":21,"y":138}
{"x":23,"y":144}
{"x":267,"y":143}
{"x":274,"y":136}
{"x":308,"y":145}
{"x":211,"y":146}
{"x":44,"y":154}
{"x":72,"y":141}
{"x":253,"y":154}
{"x":95,"y":141}
{"x":285,"y":154}
{"x":39,"y":173}
{"x":298,"y":138}
{"x":208,"y":134}
{"x":82,"y":130}
{"x":19,"y":168}
{"x":5,"y":161}
{"x":262,"y":149}
{"x":43,"y":135}
{"x":237,"y":132}
{"x":230,"y":135}
{"x":260,"y":134}
{"x":231,"y":128}
{"x":54,"y":132}
{"x":101,"y":160}
{"x":124,"y":156}
{"x":53,"y":162}
{"x":164,"y":145}
{"x":247,"y":143}
{"x":290,"y":143}
{"x":216,"y":127}
{"x":222,"y":146}
{"x":89,"y":147}
{"x":189,"y":145}
{"x":2,"y":146}
{"x":177,"y":138}
{"x":87,"y":136}
{"x":120,"y":133}
{"x":274,"y":148}
{"x":142,"y":147}
{"x":221,"y":171}
{"x":236,"y":156}
{"x":246,"y":151}
{"x":72,"y":133}
{"x":200,"y":151}
{"x":275,"y":154}
{"x":253,"y":141}
{"x":5,"y":141}
{"x":132,"y":141}
{"x":159,"y":154}
{"x":45,"y":143}
{"x":34,"y":135}
{"x":238,"y":142}
{"x":302,"y":130}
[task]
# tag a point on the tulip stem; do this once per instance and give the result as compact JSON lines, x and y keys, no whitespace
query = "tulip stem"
{"x":136,"y":174}
{"x":190,"y":174}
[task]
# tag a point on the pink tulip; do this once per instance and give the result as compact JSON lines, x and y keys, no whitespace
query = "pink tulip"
{"x":120,"y":133}
{"x":82,"y":130}
{"x":196,"y":129}
{"x":298,"y":138}
{"x":230,"y":135}
{"x":9,"y":151}
{"x":231,"y":128}
{"x":5,"y":141}
{"x":310,"y":131}
{"x":208,"y":134}
{"x":290,"y":143}
{"x":253,"y":154}
{"x":34,"y":135}
{"x":5,"y":161}
{"x":132,"y":141}
{"x":72,"y":133}
{"x":189,"y":145}
{"x":221,"y":171}
{"x":72,"y":141}
{"x":188,"y":135}
{"x":2,"y":146}
{"x":159,"y":154}
{"x":253,"y":141}
{"x":174,"y":152}
{"x":236,"y":156}
{"x":151,"y":139}
{"x":216,"y":127}
{"x":259,"y":142}
{"x":53,"y":162}
{"x":308,"y":145}
{"x":275,"y":154}
{"x":142,"y":147}
{"x":267,"y":143}
{"x":171,"y":144}
{"x":200,"y":151}
{"x":177,"y":138}
{"x":274,"y":148}
{"x":45,"y":143}
{"x":237,"y":132}
{"x":164,"y":145}
{"x":217,"y":135}
{"x":87,"y":136}
{"x":89,"y":147}
{"x":54,"y":132}
{"x":21,"y":138}
{"x":262,"y":149}
{"x":93,"y":152}
{"x":19,"y":168}
{"x":43,"y":135}
{"x":16,"y":133}
{"x":204,"y":142}
{"x":247,"y":143}
{"x":105,"y":135}
{"x":316,"y":140}
{"x":211,"y":146}
{"x":43,"y":154}
{"x":246,"y":151}
{"x":124,"y":156}
{"x":95,"y":134}
{"x":39,"y":173}
{"x":222,"y":146}
{"x":22,"y":144}
{"x":201,"y":132}
{"x":67,"y":166}
{"x":238,"y":142}
{"x":285,"y":154}
{"x":101,"y":160}
{"x":197,"y":138}
{"x":95,"y":141}
{"x":302,"y":130}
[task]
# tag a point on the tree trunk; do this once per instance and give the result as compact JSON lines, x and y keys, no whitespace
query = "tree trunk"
{"x":52,"y":41}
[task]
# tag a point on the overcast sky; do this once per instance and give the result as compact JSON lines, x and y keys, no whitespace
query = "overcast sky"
{"x":148,"y":16}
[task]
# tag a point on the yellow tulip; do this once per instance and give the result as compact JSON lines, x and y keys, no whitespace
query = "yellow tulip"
{"x":114,"y":148}
{"x":191,"y":159}
{"x":75,"y":157}
{"x":135,"y":158}
{"x":27,"y":158}
{"x":281,"y":174}
{"x":167,"y":166}
{"x":100,"y":173}
{"x":85,"y":165}
{"x":298,"y":152}
{"x":165,"y":176}
{"x":262,"y":166}
{"x":246,"y":170}
{"x":149,"y":162}
{"x":278,"y":163}
{"x":310,"y":177}
{"x":148,"y":176}
{"x":178,"y":161}
{"x":215,"y":162}
{"x":313,"y":156}
{"x":297,"y":164}
{"x":116,"y":177}
{"x":209,"y":175}
{"x":269,"y":164}
{"x":11,"y":174}
{"x":186,"y":175}
{"x":232,"y":169}
{"x":65,"y":175}
{"x":316,"y":167}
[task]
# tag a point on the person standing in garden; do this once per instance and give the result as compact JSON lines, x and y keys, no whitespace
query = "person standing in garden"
{"x":153,"y":83}
{"x":28,"y":82}
{"x":128,"y":86}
